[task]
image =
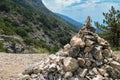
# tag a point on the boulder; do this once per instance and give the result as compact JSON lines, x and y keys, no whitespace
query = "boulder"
{"x":18,"y":48}
{"x":25,"y":77}
{"x":102,"y":71}
{"x":114,"y":71}
{"x":106,"y":53}
{"x":98,"y":56}
{"x":106,"y":75}
{"x":95,"y":71}
{"x":74,"y":52}
{"x":29,"y":70}
{"x":91,"y":73}
{"x":52,"y":67}
{"x":97,"y":53}
{"x":105,"y":61}
{"x":115,"y":64}
{"x":88,"y":49}
{"x":68,"y":75}
{"x":34,"y":76}
{"x":89,"y":42}
{"x":41,"y":77}
{"x":75,"y":41}
{"x":90,"y":37}
{"x":88,"y":63}
{"x":36,"y":69}
{"x":92,"y":29}
{"x":62,"y":53}
{"x":74,"y":79}
{"x":81,"y":62}
{"x":70,"y":64}
{"x":98,"y":63}
{"x":67,"y":47}
{"x":102,"y":42}
{"x":84,"y":72}
{"x":98,"y":77}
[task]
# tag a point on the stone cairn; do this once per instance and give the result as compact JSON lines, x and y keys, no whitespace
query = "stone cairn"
{"x":86,"y":57}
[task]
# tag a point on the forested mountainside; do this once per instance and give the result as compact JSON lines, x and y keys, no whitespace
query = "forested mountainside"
{"x":28,"y":26}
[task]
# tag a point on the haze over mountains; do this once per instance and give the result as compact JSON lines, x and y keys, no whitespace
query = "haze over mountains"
{"x":31,"y":27}
{"x":70,"y":20}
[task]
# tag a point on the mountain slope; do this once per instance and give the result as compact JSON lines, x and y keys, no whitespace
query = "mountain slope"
{"x":31,"y":25}
{"x":77,"y":24}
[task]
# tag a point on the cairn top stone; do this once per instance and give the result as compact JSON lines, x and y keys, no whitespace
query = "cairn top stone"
{"x":88,"y":26}
{"x":88,"y":21}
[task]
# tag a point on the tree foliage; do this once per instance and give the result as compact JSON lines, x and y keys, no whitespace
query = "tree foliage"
{"x":111,"y":27}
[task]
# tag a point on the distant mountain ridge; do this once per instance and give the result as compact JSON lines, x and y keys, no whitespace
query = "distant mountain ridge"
{"x":70,"y":20}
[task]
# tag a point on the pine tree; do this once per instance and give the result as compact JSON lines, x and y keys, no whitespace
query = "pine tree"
{"x":111,"y":27}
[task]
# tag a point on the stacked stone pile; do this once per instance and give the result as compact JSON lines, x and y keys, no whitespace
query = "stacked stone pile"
{"x":86,"y":57}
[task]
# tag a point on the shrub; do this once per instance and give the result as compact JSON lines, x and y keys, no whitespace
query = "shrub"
{"x":28,"y":29}
{"x":53,"y":50}
{"x":21,"y":32}
{"x":3,"y":7}
{"x":40,"y":43}
{"x":116,"y":48}
{"x":6,"y":29}
{"x":28,"y":41}
{"x":1,"y":47}
{"x":42,"y":50}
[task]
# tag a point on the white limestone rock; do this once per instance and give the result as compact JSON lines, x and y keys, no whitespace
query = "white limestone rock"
{"x":81,"y":62}
{"x":68,"y":75}
{"x":70,"y":64}
{"x":67,"y":47}
{"x":89,"y":42}
{"x":75,"y":41}
{"x":25,"y":77}
{"x":115,"y":64}
{"x":84,"y":72}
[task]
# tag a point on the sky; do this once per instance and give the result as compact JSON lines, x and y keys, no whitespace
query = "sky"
{"x":80,"y":9}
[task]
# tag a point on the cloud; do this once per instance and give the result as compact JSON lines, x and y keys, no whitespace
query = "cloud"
{"x":66,"y":2}
{"x":59,"y":5}
{"x":86,"y":3}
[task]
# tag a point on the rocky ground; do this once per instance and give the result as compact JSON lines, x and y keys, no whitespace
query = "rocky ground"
{"x":13,"y":64}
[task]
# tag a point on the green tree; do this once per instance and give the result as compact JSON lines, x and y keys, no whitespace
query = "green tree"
{"x":111,"y":27}
{"x":21,"y":32}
